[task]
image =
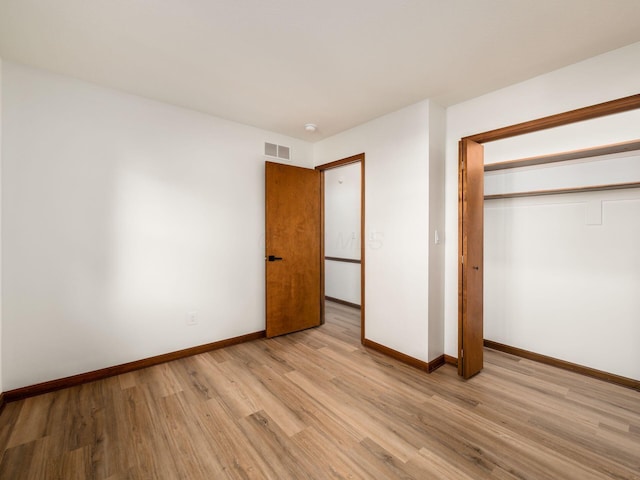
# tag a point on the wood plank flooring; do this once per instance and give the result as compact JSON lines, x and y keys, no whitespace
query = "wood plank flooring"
{"x":317,"y":405}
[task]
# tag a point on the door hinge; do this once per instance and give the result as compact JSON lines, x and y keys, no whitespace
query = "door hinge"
{"x":461,"y":353}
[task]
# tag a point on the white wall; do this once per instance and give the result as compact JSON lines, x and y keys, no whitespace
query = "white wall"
{"x":1,"y":384}
{"x":437,"y":136}
{"x":603,"y":170}
{"x":342,"y":232}
{"x":563,"y":281}
{"x":397,"y":242}
{"x":606,"y":77}
{"x":342,"y":211}
{"x":119,"y":216}
{"x":342,"y":281}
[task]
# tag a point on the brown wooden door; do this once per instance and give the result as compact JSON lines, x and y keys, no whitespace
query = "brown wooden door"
{"x":471,"y":215}
{"x":293,"y":243}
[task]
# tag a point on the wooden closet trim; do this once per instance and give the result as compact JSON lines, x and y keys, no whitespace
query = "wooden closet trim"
{"x":587,"y":113}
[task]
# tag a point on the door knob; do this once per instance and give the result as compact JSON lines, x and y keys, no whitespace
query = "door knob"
{"x":273,"y":258}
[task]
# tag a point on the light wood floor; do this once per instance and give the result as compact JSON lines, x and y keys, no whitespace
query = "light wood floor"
{"x":317,"y":405}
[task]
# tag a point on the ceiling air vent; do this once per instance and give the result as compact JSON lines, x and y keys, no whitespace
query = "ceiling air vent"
{"x":277,"y":151}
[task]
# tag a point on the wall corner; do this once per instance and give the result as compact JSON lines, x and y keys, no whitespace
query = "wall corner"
{"x":437,"y":140}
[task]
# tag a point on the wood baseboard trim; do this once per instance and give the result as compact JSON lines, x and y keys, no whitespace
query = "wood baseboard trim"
{"x":401,"y":357}
{"x":74,"y":380}
{"x":449,"y":360}
{"x":555,"y":362}
{"x":342,"y":302}
{"x":436,"y":363}
{"x":2,"y":402}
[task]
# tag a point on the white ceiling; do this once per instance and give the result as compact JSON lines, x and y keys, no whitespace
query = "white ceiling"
{"x":278,"y":64}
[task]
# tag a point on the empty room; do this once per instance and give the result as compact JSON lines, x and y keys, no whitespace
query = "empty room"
{"x":358,"y":239}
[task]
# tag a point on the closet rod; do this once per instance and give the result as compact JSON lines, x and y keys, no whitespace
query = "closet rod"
{"x":559,"y":191}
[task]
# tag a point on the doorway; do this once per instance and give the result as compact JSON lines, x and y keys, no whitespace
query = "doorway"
{"x":343,"y":253}
{"x":470,"y":227}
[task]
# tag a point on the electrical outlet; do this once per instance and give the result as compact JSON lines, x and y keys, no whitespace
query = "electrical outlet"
{"x":192,"y":318}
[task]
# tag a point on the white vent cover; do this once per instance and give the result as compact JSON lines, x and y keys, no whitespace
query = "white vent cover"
{"x":277,"y":151}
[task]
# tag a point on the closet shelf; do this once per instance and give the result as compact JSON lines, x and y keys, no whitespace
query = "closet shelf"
{"x":565,"y":156}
